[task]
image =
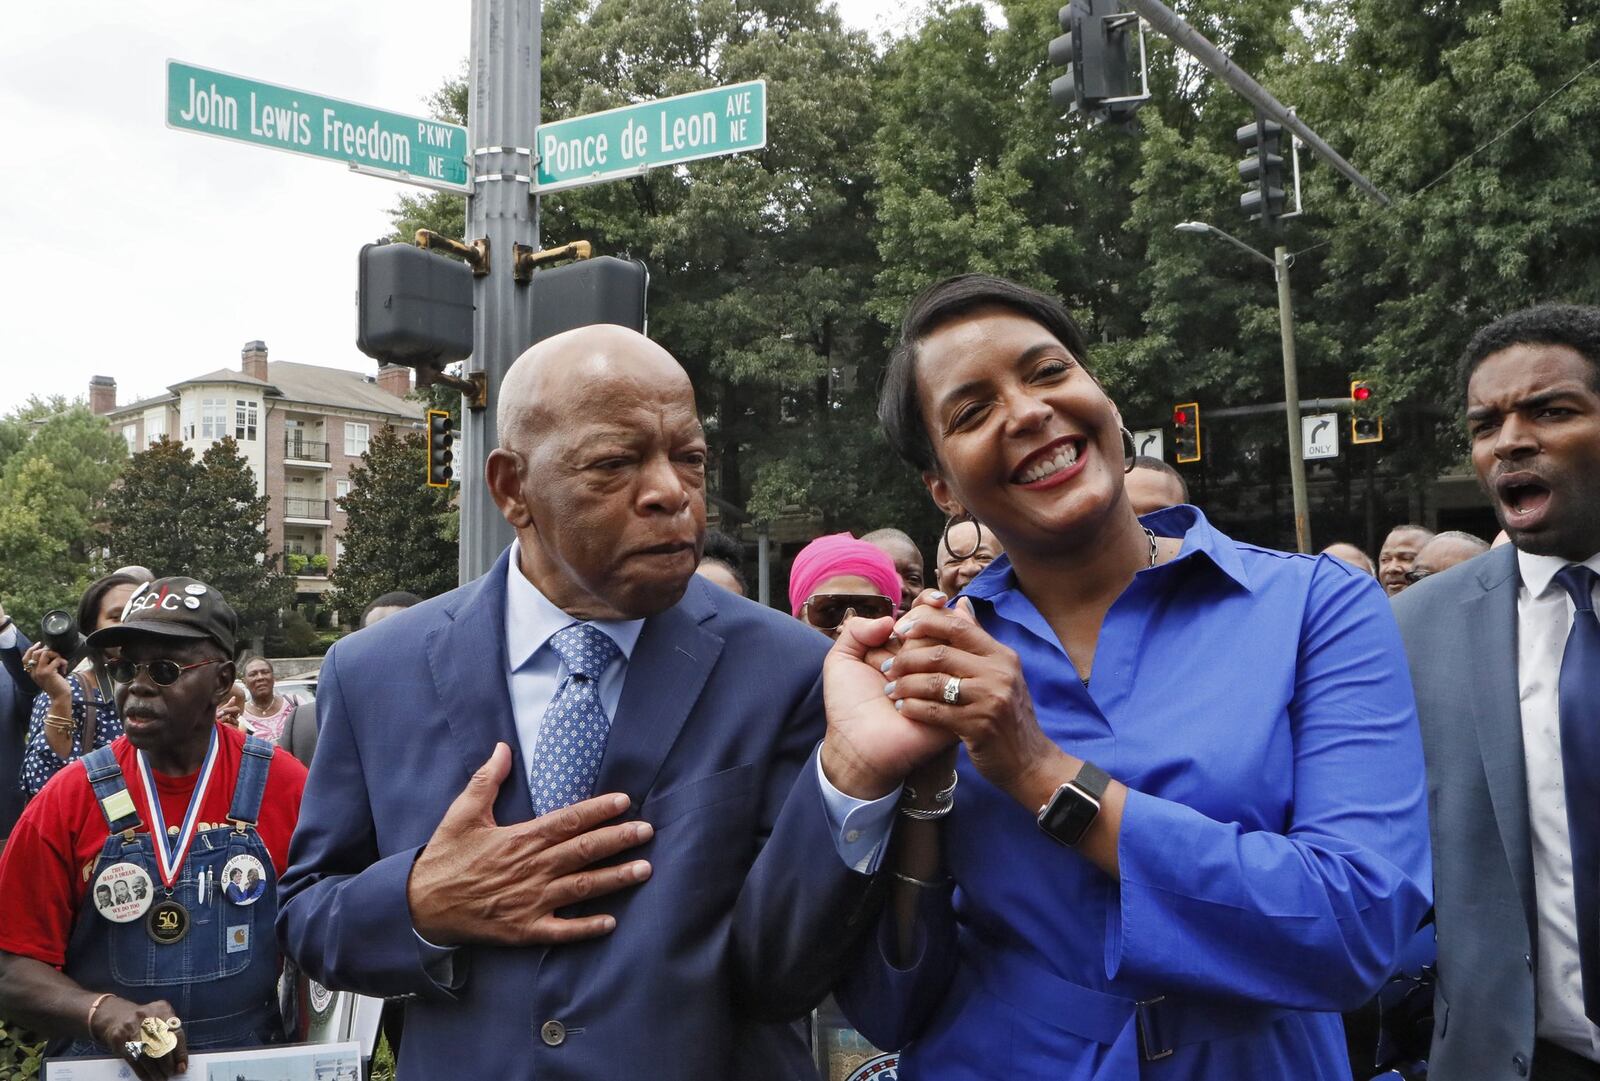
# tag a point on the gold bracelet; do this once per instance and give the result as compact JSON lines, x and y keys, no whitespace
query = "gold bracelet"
{"x":60,"y":723}
{"x":89,"y":1022}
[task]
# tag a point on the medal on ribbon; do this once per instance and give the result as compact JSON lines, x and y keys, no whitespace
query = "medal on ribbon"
{"x":168,"y":921}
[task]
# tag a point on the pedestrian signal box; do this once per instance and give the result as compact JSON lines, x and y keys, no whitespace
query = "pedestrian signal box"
{"x":441,"y":437}
{"x":1366,"y":424}
{"x":1186,"y":432}
{"x":603,"y":289}
{"x":414,"y":307}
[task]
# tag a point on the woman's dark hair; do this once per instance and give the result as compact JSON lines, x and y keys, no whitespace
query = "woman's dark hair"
{"x":250,"y":658}
{"x":397,"y":599}
{"x":1576,"y":326}
{"x":93,"y":597}
{"x":899,"y":406}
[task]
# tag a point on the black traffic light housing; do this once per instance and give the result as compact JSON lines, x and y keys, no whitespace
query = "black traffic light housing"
{"x":1262,"y":169}
{"x":441,"y":436}
{"x":415,"y":308}
{"x":604,"y":289}
{"x":1104,"y":78}
{"x":1186,"y":432}
{"x":1366,"y":423}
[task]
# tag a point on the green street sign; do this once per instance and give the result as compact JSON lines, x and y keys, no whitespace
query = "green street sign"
{"x":412,"y":149}
{"x":630,"y":140}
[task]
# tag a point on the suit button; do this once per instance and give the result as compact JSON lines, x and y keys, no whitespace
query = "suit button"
{"x":553,"y":1033}
{"x":1527,"y":959}
{"x":1520,"y":1063}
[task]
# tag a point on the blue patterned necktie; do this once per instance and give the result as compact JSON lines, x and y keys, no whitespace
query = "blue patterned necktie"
{"x":1579,"y":695}
{"x":572,"y":738}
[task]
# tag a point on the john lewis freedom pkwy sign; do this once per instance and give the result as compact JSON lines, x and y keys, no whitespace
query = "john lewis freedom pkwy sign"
{"x":432,"y":153}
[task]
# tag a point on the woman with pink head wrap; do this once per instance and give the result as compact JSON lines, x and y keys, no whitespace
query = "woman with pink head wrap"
{"x":837,"y":575}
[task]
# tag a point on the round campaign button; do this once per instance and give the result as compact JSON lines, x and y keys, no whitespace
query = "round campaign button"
{"x":195,"y":589}
{"x":123,"y":892}
{"x":244,"y":880}
{"x":167,"y":922}
{"x":191,"y":602}
{"x":321,"y":998}
{"x":880,"y":1068}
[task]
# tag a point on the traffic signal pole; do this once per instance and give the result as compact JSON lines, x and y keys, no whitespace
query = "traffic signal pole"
{"x":502,"y":118}
{"x":1291,"y":400}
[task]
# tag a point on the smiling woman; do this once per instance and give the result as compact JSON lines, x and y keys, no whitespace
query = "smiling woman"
{"x":1214,"y":866}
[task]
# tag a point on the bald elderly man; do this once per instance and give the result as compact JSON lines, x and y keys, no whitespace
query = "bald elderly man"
{"x":604,"y":847}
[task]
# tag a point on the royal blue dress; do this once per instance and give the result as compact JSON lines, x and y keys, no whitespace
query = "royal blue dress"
{"x":1274,"y":847}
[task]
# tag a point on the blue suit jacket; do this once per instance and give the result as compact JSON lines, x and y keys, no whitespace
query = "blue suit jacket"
{"x":1460,"y":630}
{"x":17,"y":692}
{"x":744,"y":922}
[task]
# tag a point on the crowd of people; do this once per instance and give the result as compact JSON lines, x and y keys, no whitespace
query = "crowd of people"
{"x":1113,"y":795}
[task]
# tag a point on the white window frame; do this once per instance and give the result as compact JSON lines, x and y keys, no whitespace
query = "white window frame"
{"x":341,"y":488}
{"x":130,"y":434}
{"x":155,"y":431}
{"x":245,"y":415}
{"x":188,"y":419}
{"x":213,"y":418}
{"x":357,"y":438}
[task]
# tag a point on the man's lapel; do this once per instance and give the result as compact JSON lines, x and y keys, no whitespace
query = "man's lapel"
{"x":668,"y":670}
{"x":468,"y":658}
{"x":1490,"y":620}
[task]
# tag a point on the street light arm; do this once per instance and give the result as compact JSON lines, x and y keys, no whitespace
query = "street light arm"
{"x":1204,"y":227}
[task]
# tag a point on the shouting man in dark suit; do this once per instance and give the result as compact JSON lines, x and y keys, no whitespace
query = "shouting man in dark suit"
{"x":599,"y":844}
{"x":1505,"y":655}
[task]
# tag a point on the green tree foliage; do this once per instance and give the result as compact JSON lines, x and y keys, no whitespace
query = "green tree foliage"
{"x":761,"y":263}
{"x":201,"y":518}
{"x":57,"y":465}
{"x":778,"y":276}
{"x":400,"y":533}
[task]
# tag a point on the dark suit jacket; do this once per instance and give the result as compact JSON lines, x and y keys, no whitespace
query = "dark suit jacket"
{"x":746,"y":919}
{"x":300,"y":734}
{"x":17,"y":692}
{"x":1460,"y":630}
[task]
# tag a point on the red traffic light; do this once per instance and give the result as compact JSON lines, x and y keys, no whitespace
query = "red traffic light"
{"x":1361,"y":392}
{"x":1180,"y":416}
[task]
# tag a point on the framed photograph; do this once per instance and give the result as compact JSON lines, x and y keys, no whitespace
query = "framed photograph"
{"x":289,"y":1062}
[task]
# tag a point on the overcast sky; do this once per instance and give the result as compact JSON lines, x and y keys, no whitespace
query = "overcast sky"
{"x":152,"y":255}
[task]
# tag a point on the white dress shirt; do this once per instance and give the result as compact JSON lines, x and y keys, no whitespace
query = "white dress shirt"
{"x":1544,"y":619}
{"x":534,"y":670}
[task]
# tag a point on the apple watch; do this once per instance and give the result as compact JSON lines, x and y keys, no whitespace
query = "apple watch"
{"x":1067,"y":815}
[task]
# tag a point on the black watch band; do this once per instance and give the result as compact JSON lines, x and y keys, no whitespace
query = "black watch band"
{"x":1067,"y":815}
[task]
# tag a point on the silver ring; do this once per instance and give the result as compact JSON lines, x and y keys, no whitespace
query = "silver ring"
{"x":952,"y":690}
{"x":133,"y":1048}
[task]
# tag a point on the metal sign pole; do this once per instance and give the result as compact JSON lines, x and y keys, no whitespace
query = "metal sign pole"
{"x":502,"y":117}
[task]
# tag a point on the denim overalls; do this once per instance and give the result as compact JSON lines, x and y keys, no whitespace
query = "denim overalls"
{"x":221,"y":977}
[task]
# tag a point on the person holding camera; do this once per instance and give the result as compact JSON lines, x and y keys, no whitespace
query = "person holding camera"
{"x":74,"y":712}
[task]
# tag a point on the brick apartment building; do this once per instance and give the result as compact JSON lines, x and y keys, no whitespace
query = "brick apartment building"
{"x":301,"y":427}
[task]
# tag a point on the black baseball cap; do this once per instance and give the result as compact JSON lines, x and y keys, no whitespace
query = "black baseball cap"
{"x":174,"y":608}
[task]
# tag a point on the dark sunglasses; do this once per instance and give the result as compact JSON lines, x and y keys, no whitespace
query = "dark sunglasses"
{"x":162,"y":673}
{"x":1415,"y":576}
{"x":826,"y":611}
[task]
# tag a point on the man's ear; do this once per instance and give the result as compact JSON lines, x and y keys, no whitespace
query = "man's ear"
{"x":227,"y":673}
{"x":503,"y":473}
{"x":943,"y":498}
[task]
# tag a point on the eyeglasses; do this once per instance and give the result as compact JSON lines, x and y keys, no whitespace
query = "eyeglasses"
{"x":163,"y":673}
{"x":1414,"y":576}
{"x":825,"y":611}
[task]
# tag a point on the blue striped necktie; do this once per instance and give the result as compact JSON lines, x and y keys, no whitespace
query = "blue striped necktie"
{"x":1579,"y":695}
{"x":572,"y":737}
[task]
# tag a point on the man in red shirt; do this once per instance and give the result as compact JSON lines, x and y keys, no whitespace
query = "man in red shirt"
{"x":116,"y":931}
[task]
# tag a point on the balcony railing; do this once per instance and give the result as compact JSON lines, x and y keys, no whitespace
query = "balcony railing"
{"x":305,"y":508}
{"x":304,"y":450}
